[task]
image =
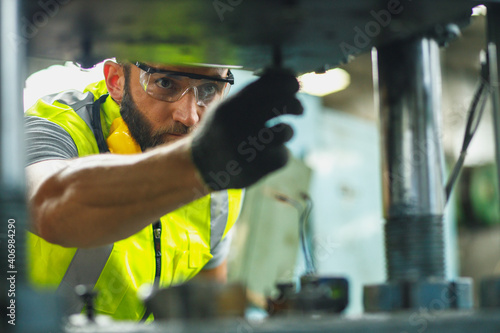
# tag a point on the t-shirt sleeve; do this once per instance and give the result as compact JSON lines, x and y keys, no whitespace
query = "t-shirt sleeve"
{"x":220,"y":251}
{"x":47,"y":141}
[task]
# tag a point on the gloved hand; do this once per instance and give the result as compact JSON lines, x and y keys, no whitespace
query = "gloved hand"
{"x":233,"y":148}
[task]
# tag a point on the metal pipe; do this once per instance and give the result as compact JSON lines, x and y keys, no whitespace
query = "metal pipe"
{"x":11,"y":107}
{"x":408,"y":78}
{"x":490,"y":287}
{"x":493,"y":32}
{"x":12,"y":199}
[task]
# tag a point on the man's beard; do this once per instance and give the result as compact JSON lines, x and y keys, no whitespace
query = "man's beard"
{"x":141,"y":129}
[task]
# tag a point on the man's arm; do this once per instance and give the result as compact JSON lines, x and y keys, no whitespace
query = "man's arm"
{"x":97,"y":200}
{"x":100,"y":199}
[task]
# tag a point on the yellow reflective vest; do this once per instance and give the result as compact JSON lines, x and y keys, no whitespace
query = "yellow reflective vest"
{"x":173,"y":250}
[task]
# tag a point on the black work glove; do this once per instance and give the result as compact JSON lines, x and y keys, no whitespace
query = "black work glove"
{"x":233,"y":148}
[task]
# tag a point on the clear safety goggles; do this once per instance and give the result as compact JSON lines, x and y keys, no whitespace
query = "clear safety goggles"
{"x":171,"y":86}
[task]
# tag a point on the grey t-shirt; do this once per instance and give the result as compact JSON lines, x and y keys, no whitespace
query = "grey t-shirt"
{"x":46,"y":140}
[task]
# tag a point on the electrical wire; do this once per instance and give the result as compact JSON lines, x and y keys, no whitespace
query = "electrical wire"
{"x":304,"y":213}
{"x":304,"y":218}
{"x":473,"y":120}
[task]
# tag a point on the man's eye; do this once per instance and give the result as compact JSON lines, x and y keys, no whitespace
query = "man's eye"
{"x":209,"y":89}
{"x":164,"y":83}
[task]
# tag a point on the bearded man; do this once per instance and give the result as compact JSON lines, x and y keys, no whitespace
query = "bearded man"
{"x":137,"y":180}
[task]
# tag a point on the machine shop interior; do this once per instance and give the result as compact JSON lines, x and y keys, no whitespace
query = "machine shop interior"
{"x":362,"y":231}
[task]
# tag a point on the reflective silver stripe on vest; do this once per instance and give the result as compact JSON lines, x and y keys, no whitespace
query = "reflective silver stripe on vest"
{"x":219,"y":213}
{"x":79,"y":102}
{"x":85,"y":268}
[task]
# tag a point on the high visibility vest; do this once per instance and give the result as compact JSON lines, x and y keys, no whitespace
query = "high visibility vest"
{"x":183,"y":241}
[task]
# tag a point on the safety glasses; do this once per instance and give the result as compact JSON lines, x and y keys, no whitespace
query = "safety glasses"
{"x":171,"y":86}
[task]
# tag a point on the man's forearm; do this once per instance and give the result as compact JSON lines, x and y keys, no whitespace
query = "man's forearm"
{"x":101,"y":199}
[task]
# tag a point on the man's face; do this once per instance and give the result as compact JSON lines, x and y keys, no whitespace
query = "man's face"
{"x":153,"y":122}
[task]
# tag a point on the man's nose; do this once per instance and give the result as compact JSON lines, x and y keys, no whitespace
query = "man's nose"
{"x":186,"y":111}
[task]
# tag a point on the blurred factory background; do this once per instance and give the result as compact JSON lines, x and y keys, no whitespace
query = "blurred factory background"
{"x":338,"y":141}
{"x":336,"y":161}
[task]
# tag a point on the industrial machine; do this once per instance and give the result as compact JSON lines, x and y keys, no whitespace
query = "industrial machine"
{"x":306,"y":36}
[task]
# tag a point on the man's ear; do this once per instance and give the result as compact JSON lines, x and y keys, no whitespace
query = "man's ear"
{"x":115,"y":80}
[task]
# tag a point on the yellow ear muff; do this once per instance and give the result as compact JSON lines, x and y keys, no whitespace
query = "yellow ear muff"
{"x":120,"y":141}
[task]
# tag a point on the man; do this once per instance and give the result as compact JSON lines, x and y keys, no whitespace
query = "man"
{"x":119,"y":221}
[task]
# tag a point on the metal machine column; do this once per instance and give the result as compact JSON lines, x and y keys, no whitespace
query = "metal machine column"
{"x":493,"y":28}
{"x":410,"y":95}
{"x":18,"y":301}
{"x":407,"y":75}
{"x":12,"y":202}
{"x":490,"y":287}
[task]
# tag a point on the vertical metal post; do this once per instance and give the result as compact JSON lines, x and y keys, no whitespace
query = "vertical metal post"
{"x":12,"y":199}
{"x":407,"y":78}
{"x":23,"y":304}
{"x":490,"y":287}
{"x":493,"y":27}
{"x":12,"y":61}
{"x":409,"y":81}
